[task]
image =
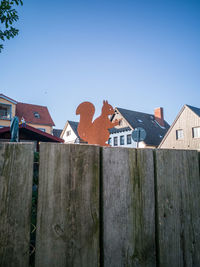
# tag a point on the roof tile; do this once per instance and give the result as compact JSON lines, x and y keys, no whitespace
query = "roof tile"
{"x":27,"y":112}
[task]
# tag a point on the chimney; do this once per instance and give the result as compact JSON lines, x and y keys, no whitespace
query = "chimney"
{"x":159,"y":116}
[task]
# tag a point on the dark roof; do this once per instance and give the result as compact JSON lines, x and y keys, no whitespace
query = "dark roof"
{"x":57,"y":132}
{"x":27,"y":132}
{"x":27,"y":111}
{"x":194,"y":109}
{"x":119,"y":130}
{"x":155,"y":132}
{"x":74,"y":126}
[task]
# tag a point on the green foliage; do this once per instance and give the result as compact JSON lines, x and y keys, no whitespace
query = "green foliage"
{"x":8,"y":15}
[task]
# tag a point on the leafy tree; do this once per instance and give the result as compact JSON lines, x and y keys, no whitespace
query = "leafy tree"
{"x":8,"y":15}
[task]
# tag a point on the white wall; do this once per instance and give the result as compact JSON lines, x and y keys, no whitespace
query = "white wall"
{"x":70,"y":138}
{"x":125,"y":133}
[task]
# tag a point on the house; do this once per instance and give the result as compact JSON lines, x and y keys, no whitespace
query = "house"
{"x":184,"y":133}
{"x":70,"y":133}
{"x":154,"y":125}
{"x":28,"y":133}
{"x":121,"y":135}
{"x":34,"y":115}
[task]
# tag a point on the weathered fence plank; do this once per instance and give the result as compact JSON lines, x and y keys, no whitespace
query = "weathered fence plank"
{"x":128,"y":207}
{"x":16,"y":174}
{"x":68,"y":206}
{"x":178,"y":208}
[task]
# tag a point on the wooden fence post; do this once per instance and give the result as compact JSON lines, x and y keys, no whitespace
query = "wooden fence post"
{"x":128,"y":207}
{"x":16,"y":174}
{"x":178,"y":208}
{"x":68,"y":206}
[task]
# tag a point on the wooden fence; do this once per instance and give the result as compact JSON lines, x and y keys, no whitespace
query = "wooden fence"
{"x":107,"y":207}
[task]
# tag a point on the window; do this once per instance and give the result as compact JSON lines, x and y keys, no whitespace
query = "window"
{"x":196,"y":132}
{"x":122,"y":140}
{"x":68,"y":133}
{"x":115,"y":141}
{"x":36,"y":115}
{"x":109,"y":141}
{"x":120,"y":122}
{"x":41,"y":129}
{"x":5,"y":112}
{"x":139,"y":120}
{"x":128,"y":139}
{"x":179,"y":134}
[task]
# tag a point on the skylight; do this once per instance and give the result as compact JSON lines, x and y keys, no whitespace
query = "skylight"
{"x":139,"y":120}
{"x":36,"y":115}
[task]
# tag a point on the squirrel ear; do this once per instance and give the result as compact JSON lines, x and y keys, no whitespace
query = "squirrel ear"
{"x":104,"y":102}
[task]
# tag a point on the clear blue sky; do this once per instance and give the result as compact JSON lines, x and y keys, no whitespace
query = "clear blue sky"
{"x":137,"y":54}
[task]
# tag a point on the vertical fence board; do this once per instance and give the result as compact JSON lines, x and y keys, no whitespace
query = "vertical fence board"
{"x":128,"y":207}
{"x":178,"y":200}
{"x":16,"y":174}
{"x":68,"y":206}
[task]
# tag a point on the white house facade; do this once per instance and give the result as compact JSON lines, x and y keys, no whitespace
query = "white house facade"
{"x":154,"y":125}
{"x":69,"y":133}
{"x":123,"y":137}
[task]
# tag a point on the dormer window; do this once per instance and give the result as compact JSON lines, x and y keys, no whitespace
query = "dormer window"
{"x":36,"y":115}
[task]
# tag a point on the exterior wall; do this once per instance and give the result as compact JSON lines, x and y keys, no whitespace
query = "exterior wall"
{"x":133,"y":143}
{"x":6,"y":122}
{"x":187,"y":120}
{"x":123,"y":122}
{"x":70,"y":138}
{"x":48,"y":129}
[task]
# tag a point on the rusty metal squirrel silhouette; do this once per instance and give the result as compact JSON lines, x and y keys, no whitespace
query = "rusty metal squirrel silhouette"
{"x":95,"y":132}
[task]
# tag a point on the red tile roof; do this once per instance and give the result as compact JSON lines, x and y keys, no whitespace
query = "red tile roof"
{"x":27,"y":112}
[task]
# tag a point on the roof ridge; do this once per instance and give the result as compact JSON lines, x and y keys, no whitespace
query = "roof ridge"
{"x":72,"y":122}
{"x":31,"y":104}
{"x":136,"y":111}
{"x":191,"y":106}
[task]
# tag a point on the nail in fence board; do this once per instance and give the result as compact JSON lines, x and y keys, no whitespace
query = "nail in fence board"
{"x":178,"y":208}
{"x":128,"y":207}
{"x":68,"y":206}
{"x":16,"y":174}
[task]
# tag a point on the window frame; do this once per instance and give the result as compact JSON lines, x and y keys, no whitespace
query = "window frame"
{"x":128,"y":139}
{"x":115,"y":141}
{"x":9,"y":106}
{"x":42,"y":130}
{"x":179,"y":137}
{"x":121,"y":140}
{"x":36,"y":115}
{"x":198,"y":132}
{"x":68,"y":133}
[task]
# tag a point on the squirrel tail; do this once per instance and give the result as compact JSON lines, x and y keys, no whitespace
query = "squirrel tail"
{"x":86,"y":111}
